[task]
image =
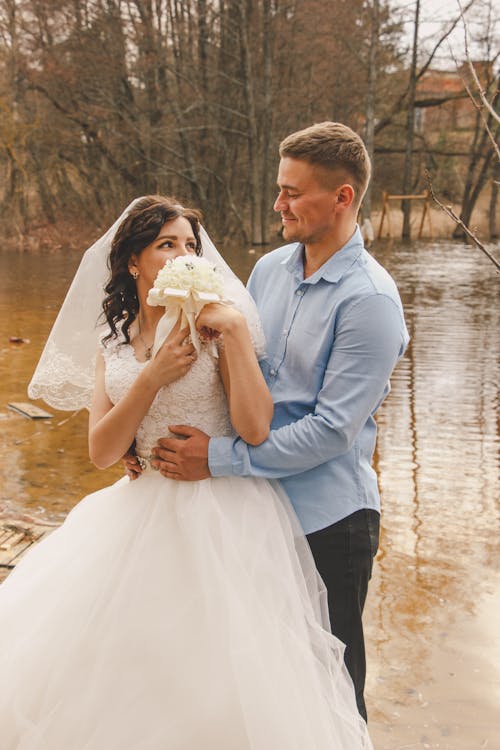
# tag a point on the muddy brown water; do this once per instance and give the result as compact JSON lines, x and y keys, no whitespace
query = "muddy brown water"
{"x":433,"y":613}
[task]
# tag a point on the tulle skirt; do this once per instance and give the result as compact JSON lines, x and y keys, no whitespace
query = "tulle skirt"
{"x":173,"y":616}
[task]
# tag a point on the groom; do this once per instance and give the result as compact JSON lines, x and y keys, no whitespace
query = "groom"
{"x":334,"y":328}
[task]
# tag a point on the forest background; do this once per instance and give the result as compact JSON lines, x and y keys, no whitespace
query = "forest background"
{"x":104,"y":100}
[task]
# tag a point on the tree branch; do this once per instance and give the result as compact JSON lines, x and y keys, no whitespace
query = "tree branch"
{"x":458,"y":221}
{"x":398,"y":106}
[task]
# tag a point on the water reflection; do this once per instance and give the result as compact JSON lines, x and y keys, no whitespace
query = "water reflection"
{"x":437,"y":459}
{"x":438,"y":464}
{"x":45,"y":468}
{"x":438,"y":445}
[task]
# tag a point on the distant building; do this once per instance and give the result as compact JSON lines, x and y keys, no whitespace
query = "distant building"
{"x":455,"y":115}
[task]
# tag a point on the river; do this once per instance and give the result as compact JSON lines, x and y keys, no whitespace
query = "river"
{"x":433,"y":612}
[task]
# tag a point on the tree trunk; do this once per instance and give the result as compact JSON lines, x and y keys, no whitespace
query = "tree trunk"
{"x":482,"y":154}
{"x":410,"y":128}
{"x":371,"y":100}
{"x":469,"y":204}
{"x":245,"y":10}
{"x":492,"y":217}
{"x":266,"y":123}
{"x":14,"y":143}
{"x":46,"y":198}
{"x":256,"y":39}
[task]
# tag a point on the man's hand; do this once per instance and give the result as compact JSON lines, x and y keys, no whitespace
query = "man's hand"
{"x":183,"y":458}
{"x":132,"y":466}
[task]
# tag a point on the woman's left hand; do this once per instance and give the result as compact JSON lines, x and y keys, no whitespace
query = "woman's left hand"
{"x":216,"y":318}
{"x":132,"y":466}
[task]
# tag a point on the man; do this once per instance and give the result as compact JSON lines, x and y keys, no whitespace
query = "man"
{"x":334,"y":327}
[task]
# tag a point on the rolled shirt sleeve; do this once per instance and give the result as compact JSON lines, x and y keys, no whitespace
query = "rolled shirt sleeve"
{"x":370,"y":336}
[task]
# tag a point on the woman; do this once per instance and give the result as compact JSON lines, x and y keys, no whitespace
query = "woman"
{"x":165,"y":615}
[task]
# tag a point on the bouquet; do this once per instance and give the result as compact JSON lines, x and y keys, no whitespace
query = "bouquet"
{"x":183,"y":286}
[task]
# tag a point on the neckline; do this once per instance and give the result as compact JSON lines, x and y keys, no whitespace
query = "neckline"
{"x":134,"y":357}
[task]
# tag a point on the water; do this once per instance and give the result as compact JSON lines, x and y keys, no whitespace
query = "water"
{"x":433,"y":613}
{"x":431,"y":619}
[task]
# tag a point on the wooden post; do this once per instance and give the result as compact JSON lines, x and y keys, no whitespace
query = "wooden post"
{"x":429,"y":220}
{"x":389,"y":223}
{"x":386,"y":211}
{"x":384,"y":208}
{"x":424,"y":212}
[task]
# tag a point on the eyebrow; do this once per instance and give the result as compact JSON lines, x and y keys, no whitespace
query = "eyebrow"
{"x":287,"y":187}
{"x":171,"y":237}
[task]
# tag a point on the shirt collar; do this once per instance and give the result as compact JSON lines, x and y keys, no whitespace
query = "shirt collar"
{"x":334,"y":268}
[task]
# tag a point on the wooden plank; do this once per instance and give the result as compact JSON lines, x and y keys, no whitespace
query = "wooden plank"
{"x":11,"y":540}
{"x":16,"y":538}
{"x":29,"y":410}
{"x":406,"y":197}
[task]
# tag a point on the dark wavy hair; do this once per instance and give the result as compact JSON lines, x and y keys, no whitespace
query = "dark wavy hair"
{"x":138,"y":229}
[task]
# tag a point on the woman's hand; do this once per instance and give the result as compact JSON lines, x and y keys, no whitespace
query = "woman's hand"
{"x":173,"y":359}
{"x":112,"y":427}
{"x":217,"y":318}
{"x":132,"y":466}
{"x":240,"y":372}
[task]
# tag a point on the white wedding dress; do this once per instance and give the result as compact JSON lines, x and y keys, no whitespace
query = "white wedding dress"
{"x":166,"y":615}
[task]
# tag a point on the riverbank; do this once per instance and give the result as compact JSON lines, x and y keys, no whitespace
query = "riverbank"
{"x":73,"y":234}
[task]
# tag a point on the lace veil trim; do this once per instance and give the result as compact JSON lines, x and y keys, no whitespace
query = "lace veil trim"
{"x":65,"y":374}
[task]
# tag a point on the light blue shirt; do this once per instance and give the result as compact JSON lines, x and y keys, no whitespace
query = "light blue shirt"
{"x":332,"y":342}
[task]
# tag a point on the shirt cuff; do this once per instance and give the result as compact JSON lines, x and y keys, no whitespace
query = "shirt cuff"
{"x":220,"y":454}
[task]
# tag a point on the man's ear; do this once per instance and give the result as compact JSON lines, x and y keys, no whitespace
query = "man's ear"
{"x":345,"y":196}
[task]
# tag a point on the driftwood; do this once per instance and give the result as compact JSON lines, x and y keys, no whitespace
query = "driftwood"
{"x":16,"y":538}
{"x":31,"y":411}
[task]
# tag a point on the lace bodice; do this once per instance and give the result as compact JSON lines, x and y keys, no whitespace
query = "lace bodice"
{"x":197,"y":399}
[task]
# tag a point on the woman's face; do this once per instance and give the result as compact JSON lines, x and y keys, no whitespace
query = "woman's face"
{"x":175,"y":238}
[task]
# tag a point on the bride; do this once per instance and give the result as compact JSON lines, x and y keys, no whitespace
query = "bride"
{"x":166,"y":615}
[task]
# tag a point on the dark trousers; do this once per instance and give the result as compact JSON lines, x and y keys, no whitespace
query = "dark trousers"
{"x":344,"y":555}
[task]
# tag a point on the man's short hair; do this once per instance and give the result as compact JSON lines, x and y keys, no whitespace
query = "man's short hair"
{"x":332,"y":146}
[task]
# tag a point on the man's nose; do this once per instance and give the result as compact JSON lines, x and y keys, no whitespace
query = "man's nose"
{"x":278,"y":203}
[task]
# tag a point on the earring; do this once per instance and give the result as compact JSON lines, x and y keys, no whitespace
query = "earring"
{"x":135,"y":274}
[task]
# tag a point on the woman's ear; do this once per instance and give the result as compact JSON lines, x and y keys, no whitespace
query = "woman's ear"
{"x":132,"y":266}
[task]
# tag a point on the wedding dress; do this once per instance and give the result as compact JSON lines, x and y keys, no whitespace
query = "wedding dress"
{"x":169,"y":615}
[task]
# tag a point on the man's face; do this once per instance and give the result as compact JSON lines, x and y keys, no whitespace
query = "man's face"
{"x":306,"y":204}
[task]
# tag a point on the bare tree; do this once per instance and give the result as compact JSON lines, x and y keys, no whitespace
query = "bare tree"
{"x":371,"y":96}
{"x":410,"y":125}
{"x":482,"y":84}
{"x":114,"y":98}
{"x":488,"y":114}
